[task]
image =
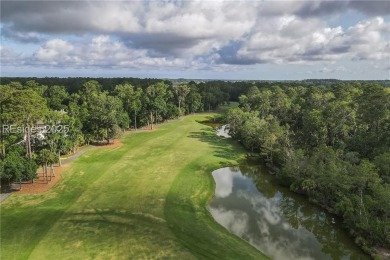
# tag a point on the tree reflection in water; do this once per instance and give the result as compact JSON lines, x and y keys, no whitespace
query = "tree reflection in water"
{"x":284,"y":225}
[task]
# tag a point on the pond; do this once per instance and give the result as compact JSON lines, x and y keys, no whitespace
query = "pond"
{"x":249,"y":203}
{"x":223,"y":131}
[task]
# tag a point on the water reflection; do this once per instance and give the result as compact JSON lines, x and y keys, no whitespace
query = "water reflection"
{"x":279,"y":223}
{"x":223,"y":131}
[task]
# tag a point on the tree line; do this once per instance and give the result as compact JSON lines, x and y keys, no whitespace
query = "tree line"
{"x":70,"y":117}
{"x":329,"y":140}
{"x":331,"y":143}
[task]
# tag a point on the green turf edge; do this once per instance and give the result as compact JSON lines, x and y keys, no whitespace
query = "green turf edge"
{"x":192,"y":223}
{"x":186,"y":206}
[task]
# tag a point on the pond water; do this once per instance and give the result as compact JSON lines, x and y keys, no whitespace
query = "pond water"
{"x":223,"y":131}
{"x":249,"y":203}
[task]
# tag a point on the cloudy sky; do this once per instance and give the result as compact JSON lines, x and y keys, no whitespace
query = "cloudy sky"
{"x":197,"y":39}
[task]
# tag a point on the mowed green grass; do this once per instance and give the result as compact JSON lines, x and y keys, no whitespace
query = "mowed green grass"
{"x":146,"y":199}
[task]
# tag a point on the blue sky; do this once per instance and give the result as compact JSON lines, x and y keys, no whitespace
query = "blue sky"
{"x":196,"y":39}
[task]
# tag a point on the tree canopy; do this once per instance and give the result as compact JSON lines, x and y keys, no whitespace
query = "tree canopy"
{"x":331,"y":143}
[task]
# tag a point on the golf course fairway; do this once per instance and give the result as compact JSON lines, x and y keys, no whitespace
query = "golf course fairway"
{"x":144,"y":199}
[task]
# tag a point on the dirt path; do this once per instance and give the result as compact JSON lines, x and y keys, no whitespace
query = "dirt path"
{"x":41,"y":184}
{"x":71,"y":158}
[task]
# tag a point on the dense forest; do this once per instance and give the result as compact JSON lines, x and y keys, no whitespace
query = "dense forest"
{"x":329,"y":140}
{"x":41,"y":122}
{"x":331,"y":143}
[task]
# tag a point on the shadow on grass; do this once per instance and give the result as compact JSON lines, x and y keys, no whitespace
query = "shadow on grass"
{"x":12,"y":219}
{"x":213,"y":121}
{"x":114,"y":217}
{"x":111,"y":225}
{"x":185,"y":207}
{"x":225,"y":148}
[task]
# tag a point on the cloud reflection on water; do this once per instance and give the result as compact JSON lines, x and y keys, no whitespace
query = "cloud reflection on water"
{"x":276,"y":225}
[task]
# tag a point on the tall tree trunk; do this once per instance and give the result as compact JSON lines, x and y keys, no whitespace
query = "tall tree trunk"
{"x":135,"y":120}
{"x":52,"y":173}
{"x":59,"y":158}
{"x":47,"y":181}
{"x":151,"y":120}
{"x":20,"y":184}
{"x":28,"y":141}
{"x":43,"y":171}
{"x":26,"y":144}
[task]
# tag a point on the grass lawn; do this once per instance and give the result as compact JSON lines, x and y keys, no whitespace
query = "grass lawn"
{"x":144,"y":199}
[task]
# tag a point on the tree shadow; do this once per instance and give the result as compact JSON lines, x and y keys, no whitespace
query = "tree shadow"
{"x":225,"y":148}
{"x":212,"y":121}
{"x":134,"y":222}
